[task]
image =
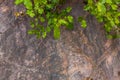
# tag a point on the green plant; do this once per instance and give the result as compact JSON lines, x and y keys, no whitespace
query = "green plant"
{"x":47,"y":16}
{"x":108,"y":12}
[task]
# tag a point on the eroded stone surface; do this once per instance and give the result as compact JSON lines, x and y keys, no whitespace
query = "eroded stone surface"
{"x":81,"y":54}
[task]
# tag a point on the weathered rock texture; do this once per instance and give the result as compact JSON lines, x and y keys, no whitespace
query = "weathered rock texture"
{"x":81,"y":54}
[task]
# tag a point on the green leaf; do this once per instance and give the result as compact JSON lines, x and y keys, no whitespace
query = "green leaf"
{"x":62,"y":22}
{"x":109,"y":1}
{"x":114,"y":7}
{"x":50,"y":21}
{"x":36,"y":6}
{"x":101,"y":8}
{"x":70,"y":18}
{"x":102,"y":1}
{"x":116,"y":20}
{"x":117,"y":1}
{"x":68,"y":9}
{"x":30,"y":13}
{"x":44,"y":2}
{"x":55,"y":20}
{"x":107,"y":27}
{"x":31,"y":32}
{"x":17,"y":2}
{"x":55,"y":1}
{"x":109,"y":16}
{"x":87,"y":7}
{"x":117,"y":14}
{"x":42,"y":19}
{"x":83,"y":24}
{"x":90,"y":2}
{"x":109,"y":36}
{"x":44,"y":34}
{"x":48,"y":29}
{"x":100,"y":19}
{"x":56,"y":32}
{"x":112,"y":23}
{"x":48,"y":15}
{"x":40,"y":11}
{"x":28,"y":4}
{"x":32,"y":24}
{"x":38,"y":34}
{"x":49,"y":6}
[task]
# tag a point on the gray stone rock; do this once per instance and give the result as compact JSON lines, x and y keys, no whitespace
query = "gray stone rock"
{"x":80,"y":54}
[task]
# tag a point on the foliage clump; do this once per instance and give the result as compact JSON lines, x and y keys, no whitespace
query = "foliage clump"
{"x":108,"y":12}
{"x":47,"y":16}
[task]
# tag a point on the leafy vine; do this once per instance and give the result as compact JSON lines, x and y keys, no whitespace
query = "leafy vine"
{"x":47,"y":16}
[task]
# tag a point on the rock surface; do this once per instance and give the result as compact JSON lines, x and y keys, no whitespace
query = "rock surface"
{"x":81,"y":54}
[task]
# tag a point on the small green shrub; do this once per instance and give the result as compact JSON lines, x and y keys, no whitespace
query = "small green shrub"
{"x":47,"y":16}
{"x":108,"y":12}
